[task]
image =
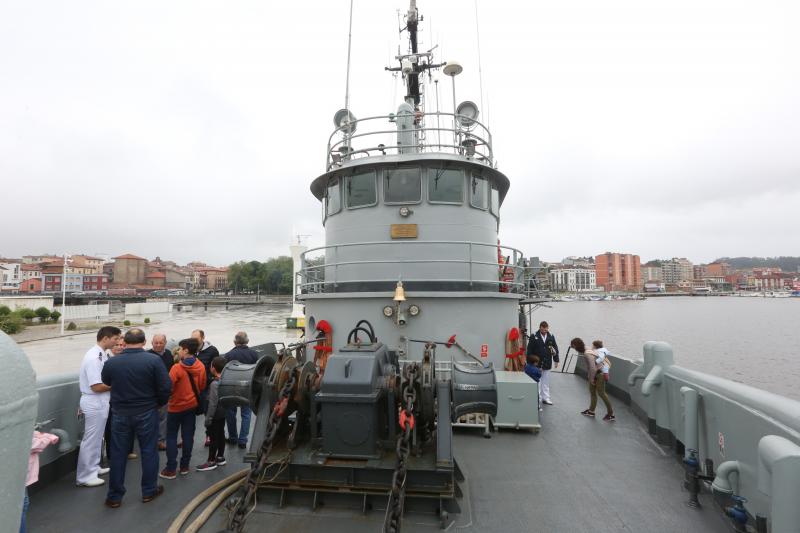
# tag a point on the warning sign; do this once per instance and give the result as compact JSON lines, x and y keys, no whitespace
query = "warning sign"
{"x":484,"y":350}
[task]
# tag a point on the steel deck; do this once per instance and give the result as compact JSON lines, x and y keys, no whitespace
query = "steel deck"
{"x":577,"y":474}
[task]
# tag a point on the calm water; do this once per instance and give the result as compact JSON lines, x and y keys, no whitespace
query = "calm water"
{"x":750,"y":340}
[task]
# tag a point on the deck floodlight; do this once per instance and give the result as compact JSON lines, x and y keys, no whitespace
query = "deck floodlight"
{"x":466,"y":114}
{"x":345,"y":120}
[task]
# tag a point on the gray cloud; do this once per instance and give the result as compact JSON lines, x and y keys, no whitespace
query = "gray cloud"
{"x":192,"y":131}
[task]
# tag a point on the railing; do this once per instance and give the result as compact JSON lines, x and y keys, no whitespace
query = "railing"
{"x":342,"y":268}
{"x":723,"y":428}
{"x":426,"y":133}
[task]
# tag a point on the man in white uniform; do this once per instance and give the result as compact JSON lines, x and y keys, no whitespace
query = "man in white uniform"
{"x":94,"y":406}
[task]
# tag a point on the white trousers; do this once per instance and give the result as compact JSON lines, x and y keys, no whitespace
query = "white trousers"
{"x":544,"y":386}
{"x":95,"y":412}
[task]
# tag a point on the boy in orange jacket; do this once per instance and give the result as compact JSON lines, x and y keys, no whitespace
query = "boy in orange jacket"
{"x":188,"y":380}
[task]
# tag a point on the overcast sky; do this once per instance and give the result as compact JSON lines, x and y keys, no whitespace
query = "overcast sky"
{"x":192,"y":130}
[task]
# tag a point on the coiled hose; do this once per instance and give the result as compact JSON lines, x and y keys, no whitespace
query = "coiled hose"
{"x":227,"y":486}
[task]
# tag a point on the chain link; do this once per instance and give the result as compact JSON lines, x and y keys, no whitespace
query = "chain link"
{"x":242,"y":507}
{"x":408,"y":390}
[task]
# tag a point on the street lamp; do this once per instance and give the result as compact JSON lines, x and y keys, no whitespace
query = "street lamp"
{"x":64,"y":293}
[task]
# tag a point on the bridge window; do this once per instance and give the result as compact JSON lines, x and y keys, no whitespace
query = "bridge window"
{"x":446,"y":185}
{"x":333,"y":198}
{"x":402,"y":186}
{"x":361,"y":189}
{"x":494,"y":203}
{"x":478,"y":192}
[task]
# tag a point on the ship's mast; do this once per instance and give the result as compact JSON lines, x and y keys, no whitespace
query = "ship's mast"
{"x":414,"y":63}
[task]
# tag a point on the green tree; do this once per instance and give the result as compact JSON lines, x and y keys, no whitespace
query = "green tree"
{"x":271,"y":277}
{"x":5,"y":310}
{"x":43,"y":313}
{"x":27,"y":314}
{"x":55,"y":315}
{"x":11,"y":323}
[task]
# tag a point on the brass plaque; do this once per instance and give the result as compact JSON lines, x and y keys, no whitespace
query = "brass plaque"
{"x":404,"y":231}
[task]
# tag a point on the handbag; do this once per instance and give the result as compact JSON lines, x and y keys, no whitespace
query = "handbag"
{"x":200,"y":409}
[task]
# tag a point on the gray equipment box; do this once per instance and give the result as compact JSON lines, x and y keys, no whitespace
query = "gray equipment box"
{"x":349,"y":399}
{"x":517,"y":401}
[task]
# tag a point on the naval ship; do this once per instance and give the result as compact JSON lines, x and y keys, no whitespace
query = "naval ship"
{"x":405,"y":408}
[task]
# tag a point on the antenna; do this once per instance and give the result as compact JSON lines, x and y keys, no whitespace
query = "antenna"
{"x":349,"y":45}
{"x":478,"y":38}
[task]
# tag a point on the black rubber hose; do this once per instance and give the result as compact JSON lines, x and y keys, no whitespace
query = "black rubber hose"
{"x":354,"y":332}
{"x":372,"y":336}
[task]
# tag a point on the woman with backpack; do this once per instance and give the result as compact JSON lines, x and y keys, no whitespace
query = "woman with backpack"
{"x":597,"y":382}
{"x":188,"y":380}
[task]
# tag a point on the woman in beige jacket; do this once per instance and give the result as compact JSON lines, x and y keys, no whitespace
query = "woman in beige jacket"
{"x":597,"y":384}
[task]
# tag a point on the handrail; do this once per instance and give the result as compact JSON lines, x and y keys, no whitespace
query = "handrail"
{"x":478,"y":148}
{"x":312,"y":276}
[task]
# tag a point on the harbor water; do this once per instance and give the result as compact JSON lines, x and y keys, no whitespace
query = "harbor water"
{"x":749,"y":340}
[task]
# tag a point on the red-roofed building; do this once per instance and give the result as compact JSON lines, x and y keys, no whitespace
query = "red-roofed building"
{"x":130,"y":269}
{"x":31,"y":286}
{"x":158,"y":279}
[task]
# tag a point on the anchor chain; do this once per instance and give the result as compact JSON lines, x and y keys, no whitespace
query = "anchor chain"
{"x":243,"y":506}
{"x":394,"y":509}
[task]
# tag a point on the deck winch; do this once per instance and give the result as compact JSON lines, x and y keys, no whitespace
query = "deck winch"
{"x":369,"y":427}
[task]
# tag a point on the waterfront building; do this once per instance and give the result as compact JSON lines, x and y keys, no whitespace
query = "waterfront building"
{"x":699,"y":272}
{"x":11,"y":275}
{"x":718,"y":269}
{"x":573,"y":279}
{"x":51,"y":282}
{"x":37,"y":259}
{"x":618,"y":272}
{"x":31,"y":286}
{"x":651,"y":273}
{"x":130,"y":269}
{"x":581,"y":262}
{"x":95,"y":282}
{"x":91,"y":264}
{"x":31,"y":271}
{"x":677,"y":272}
{"x":212,"y":278}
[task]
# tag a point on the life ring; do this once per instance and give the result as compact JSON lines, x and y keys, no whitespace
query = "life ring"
{"x":515,"y":352}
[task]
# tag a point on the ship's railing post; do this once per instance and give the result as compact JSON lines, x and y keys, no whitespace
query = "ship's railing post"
{"x":470,"y":264}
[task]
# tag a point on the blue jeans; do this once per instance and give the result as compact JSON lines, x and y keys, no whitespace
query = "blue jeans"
{"x":25,"y":504}
{"x":124,"y":429}
{"x":230,"y":418}
{"x":185,"y":420}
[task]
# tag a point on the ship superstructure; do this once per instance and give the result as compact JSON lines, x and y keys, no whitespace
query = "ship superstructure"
{"x":411,"y":209}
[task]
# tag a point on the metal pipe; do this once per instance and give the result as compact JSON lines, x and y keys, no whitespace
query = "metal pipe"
{"x":690,"y":439}
{"x":722,"y":482}
{"x":652,"y":379}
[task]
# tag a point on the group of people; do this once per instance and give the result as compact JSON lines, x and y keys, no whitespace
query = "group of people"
{"x":129,"y":394}
{"x":542,"y":357}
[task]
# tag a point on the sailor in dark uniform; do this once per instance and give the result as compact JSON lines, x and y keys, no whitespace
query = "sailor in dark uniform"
{"x":543,"y":344}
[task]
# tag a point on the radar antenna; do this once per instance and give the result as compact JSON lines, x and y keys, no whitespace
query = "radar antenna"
{"x":414,"y":63}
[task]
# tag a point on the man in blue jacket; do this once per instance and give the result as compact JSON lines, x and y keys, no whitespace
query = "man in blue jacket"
{"x":247,"y":356}
{"x":139,"y":386}
{"x":543,"y":344}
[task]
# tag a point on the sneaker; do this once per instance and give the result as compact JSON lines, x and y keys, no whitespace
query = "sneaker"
{"x":167,"y":474}
{"x":210,"y":465}
{"x":103,"y":471}
{"x":588,"y":413}
{"x":96,"y":482}
{"x":221,"y":461}
{"x":547,"y":402}
{"x":609,"y":418}
{"x":113,"y":503}
{"x":184,"y":470}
